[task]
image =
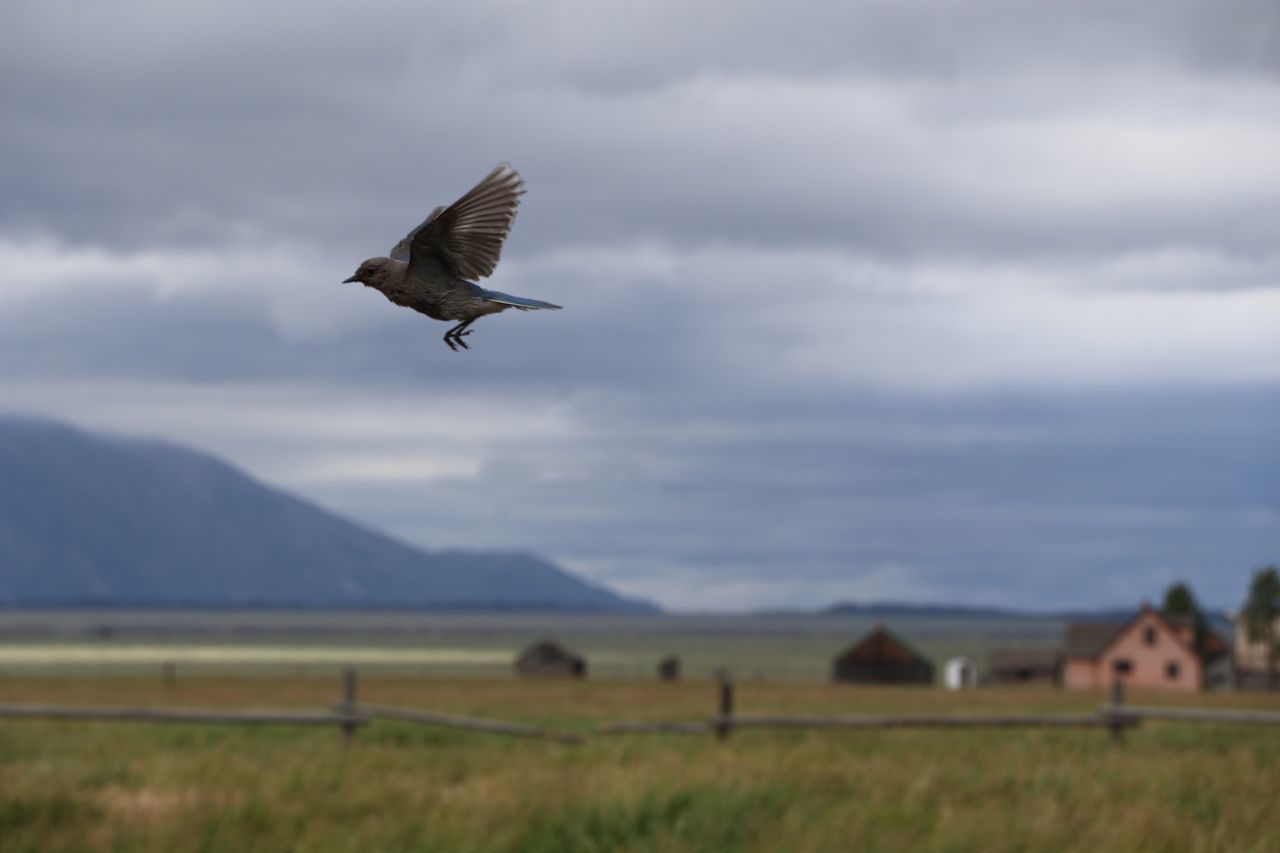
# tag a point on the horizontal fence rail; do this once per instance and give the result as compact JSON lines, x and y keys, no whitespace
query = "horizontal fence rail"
{"x":454,"y":721}
{"x":919,"y":721}
{"x":348,"y":715}
{"x":1190,"y":715}
{"x":635,"y":727}
{"x":180,"y":715}
{"x":910,"y":721}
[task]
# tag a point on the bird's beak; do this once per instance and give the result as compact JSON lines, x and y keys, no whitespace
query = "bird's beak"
{"x":349,"y":280}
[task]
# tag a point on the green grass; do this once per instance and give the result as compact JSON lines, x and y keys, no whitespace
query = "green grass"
{"x":126,"y":787}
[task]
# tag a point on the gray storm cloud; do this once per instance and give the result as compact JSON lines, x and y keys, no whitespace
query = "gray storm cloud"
{"x":929,"y":301}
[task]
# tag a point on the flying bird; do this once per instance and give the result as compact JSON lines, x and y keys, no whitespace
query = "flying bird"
{"x":433,"y":270}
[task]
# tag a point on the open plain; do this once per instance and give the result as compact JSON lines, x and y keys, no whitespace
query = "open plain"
{"x":153,"y":787}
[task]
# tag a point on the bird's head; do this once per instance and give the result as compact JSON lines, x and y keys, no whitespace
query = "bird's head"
{"x":371,"y":273}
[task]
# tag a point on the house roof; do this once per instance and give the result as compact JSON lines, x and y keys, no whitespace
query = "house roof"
{"x":882,"y":646}
{"x":1088,"y":639}
{"x":1214,"y":644}
{"x":548,"y":649}
{"x":1016,"y":657}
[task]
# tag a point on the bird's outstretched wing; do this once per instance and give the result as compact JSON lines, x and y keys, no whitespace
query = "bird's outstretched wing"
{"x":465,"y":238}
{"x":401,"y":250}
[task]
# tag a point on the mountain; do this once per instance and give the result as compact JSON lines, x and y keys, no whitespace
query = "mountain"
{"x":963,"y":611}
{"x":92,"y":519}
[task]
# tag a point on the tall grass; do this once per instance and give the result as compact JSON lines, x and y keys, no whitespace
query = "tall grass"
{"x":78,"y":786}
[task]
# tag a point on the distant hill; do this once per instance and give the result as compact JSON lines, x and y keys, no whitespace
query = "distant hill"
{"x":890,"y":609}
{"x":886,"y":608}
{"x":91,"y":519}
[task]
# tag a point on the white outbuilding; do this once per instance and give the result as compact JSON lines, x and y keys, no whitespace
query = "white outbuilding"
{"x":960,"y":673}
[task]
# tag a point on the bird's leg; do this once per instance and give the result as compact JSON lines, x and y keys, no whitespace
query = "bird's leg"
{"x":454,"y":336}
{"x":460,"y":331}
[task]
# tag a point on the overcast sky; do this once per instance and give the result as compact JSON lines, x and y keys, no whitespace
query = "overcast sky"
{"x":938,"y":301}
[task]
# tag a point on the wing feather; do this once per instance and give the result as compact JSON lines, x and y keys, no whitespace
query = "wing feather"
{"x":401,"y":250}
{"x":465,"y":239}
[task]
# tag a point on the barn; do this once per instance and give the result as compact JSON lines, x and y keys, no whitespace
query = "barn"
{"x":882,"y":657}
{"x":1022,"y":665}
{"x":549,"y":659}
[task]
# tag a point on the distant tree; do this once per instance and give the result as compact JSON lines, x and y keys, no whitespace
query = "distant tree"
{"x":1260,"y":612}
{"x":1181,"y":602}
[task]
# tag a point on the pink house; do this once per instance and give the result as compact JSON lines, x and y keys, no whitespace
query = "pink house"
{"x":1148,"y":651}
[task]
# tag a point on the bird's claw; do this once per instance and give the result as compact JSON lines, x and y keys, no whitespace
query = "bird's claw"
{"x":454,"y":340}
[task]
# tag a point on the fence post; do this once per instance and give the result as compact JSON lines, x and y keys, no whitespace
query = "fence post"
{"x":348,"y":705}
{"x":725,"y":725}
{"x":1117,"y":702}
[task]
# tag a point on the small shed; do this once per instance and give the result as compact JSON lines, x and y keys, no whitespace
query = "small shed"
{"x":960,"y":673}
{"x":1018,"y":665}
{"x":549,"y":659}
{"x":669,"y":668}
{"x":882,"y":657}
{"x":1220,"y":673}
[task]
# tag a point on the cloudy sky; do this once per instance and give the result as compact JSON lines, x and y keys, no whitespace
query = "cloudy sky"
{"x":924,"y":301}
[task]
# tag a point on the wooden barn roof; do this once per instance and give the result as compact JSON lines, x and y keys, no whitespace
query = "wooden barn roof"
{"x":549,"y":649}
{"x":882,"y":646}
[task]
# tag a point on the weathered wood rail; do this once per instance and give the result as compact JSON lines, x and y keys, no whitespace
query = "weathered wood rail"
{"x":725,"y":724}
{"x":1115,"y":716}
{"x":249,"y":717}
{"x":638,"y":727}
{"x":919,"y":721}
{"x":347,"y":715}
{"x":455,"y":721}
{"x":1190,"y":715}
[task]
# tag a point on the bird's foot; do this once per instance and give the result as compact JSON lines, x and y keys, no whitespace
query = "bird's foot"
{"x":454,"y":340}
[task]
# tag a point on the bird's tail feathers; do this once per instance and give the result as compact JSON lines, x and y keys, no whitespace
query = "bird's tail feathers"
{"x":518,"y":301}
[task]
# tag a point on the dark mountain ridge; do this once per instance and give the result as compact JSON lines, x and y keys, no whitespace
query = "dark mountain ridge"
{"x":88,"y":519}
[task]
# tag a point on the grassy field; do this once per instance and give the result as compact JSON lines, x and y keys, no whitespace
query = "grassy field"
{"x":112,"y":786}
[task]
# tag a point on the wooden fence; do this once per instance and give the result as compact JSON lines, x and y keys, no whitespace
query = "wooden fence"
{"x":1190,"y":715}
{"x":477,"y":724}
{"x":266,"y":716}
{"x":1114,"y":716}
{"x":348,"y":715}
